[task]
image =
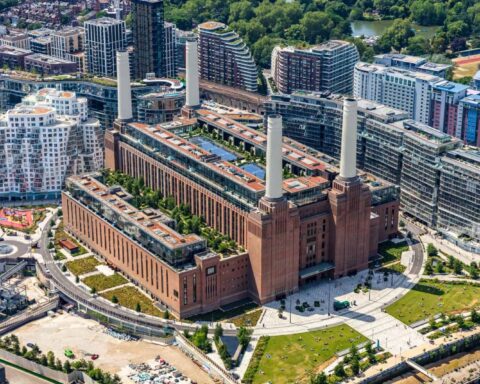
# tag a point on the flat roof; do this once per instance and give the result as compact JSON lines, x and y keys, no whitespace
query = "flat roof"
{"x":145,"y":219}
{"x":450,"y":86}
{"x":40,"y":57}
{"x":260,"y":139}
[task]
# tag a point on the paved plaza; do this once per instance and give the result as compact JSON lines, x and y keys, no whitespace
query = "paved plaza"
{"x":365,"y":314}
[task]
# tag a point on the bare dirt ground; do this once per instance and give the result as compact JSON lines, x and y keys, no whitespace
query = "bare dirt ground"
{"x":87,"y":336}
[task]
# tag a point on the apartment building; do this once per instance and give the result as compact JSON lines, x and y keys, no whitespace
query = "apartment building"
{"x":325,"y":67}
{"x":398,"y":88}
{"x":44,"y":139}
{"x":445,"y":98}
{"x":423,"y":148}
{"x":69,"y":43}
{"x":224,"y":58}
{"x":412,"y":63}
{"x":468,"y":120}
{"x":103,"y":38}
{"x":148,"y":28}
{"x":459,"y":196}
{"x":48,"y":65}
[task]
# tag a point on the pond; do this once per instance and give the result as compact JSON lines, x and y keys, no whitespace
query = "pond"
{"x":376,"y":28}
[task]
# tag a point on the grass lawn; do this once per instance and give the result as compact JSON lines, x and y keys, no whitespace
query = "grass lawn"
{"x":394,"y":267}
{"x":249,"y":319}
{"x":428,"y":298}
{"x":391,"y":251}
{"x":128,"y":297}
{"x":292,"y":358}
{"x":60,"y":234}
{"x":82,"y":266}
{"x":101,"y":282}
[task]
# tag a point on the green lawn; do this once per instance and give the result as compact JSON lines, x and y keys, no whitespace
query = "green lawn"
{"x":292,"y":358}
{"x":391,"y":251}
{"x":249,"y":319}
{"x":60,"y":234}
{"x":82,"y":266}
{"x":101,"y":282}
{"x":129,"y":296}
{"x":429,"y":298}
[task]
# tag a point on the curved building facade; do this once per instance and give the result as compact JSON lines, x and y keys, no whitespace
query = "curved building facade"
{"x":224,"y":58}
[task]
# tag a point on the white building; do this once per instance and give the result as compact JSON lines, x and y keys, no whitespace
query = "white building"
{"x":103,"y":38}
{"x":45,"y":139}
{"x":397,"y":88}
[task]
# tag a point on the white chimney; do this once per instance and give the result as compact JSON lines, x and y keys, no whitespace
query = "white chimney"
{"x":274,"y":158}
{"x":348,"y":158}
{"x":124,"y":90}
{"x":193,"y":92}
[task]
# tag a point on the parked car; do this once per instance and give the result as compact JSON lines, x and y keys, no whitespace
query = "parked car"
{"x":94,"y":356}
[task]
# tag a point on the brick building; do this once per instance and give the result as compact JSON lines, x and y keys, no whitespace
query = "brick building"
{"x":324,"y":221}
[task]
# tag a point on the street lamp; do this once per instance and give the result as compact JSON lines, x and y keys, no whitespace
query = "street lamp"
{"x":328,"y":303}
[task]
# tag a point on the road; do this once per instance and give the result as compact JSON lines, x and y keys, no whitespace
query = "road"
{"x":416,"y":231}
{"x":75,"y":293}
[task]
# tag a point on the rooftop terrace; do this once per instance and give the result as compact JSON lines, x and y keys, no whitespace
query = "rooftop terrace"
{"x":150,"y":220}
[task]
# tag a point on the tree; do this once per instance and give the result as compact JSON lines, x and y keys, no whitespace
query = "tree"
{"x":114,"y":299}
{"x":50,"y":359}
{"x":355,"y":365}
{"x":428,"y":268}
{"x":243,"y":336}
{"x":474,"y":316}
{"x":340,"y":370}
{"x":457,"y":267}
{"x":67,"y":367}
{"x":218,"y":332}
{"x":396,"y":36}
{"x":321,"y":378}
{"x":417,"y":46}
{"x":317,"y":26}
{"x":138,"y":307}
{"x":166,"y":315}
{"x":58,"y":365}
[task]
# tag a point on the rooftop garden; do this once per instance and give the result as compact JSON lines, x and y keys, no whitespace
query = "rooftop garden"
{"x":186,"y":223}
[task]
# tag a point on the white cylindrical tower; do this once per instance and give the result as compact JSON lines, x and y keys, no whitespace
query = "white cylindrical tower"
{"x":124,"y":90}
{"x":274,"y":175}
{"x":193,"y":92}
{"x":348,"y":158}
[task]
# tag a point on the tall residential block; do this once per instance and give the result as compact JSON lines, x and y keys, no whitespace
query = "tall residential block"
{"x":103,"y":38}
{"x":445,"y":98}
{"x":326,"y":67}
{"x":45,"y":139}
{"x":398,"y":88}
{"x":224,"y":57}
{"x":468,"y":120}
{"x":69,"y":43}
{"x":148,"y":38}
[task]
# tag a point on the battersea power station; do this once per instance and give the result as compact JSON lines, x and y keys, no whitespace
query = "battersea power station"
{"x":295,"y":215}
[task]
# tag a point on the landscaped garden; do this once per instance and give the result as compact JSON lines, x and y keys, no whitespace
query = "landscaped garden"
{"x":130,"y":297}
{"x":294,"y":358}
{"x":391,"y":251}
{"x":101,"y":282}
{"x":82,"y":266}
{"x":60,"y":234}
{"x":186,"y":223}
{"x":430,"y":297}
